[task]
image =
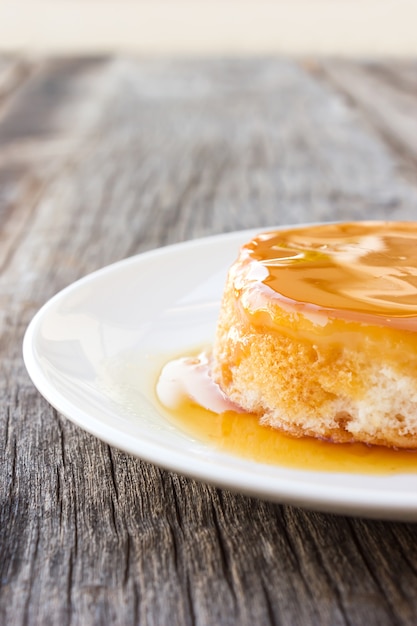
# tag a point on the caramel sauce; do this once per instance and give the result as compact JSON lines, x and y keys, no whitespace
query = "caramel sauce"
{"x":341,"y":278}
{"x":361,"y":271}
{"x":242,"y":435}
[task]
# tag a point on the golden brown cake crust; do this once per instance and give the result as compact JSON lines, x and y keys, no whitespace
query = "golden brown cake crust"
{"x":340,"y":380}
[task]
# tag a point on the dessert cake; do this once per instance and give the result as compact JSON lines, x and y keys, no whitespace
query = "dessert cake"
{"x":317,"y":332}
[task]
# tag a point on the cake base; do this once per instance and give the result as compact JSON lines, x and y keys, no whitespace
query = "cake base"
{"x":342,"y":381}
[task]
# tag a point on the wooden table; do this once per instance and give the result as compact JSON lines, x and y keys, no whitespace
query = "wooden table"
{"x":103,"y":158}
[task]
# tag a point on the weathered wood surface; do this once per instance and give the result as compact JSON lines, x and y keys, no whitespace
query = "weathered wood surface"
{"x":104,"y":158}
{"x":388,"y":94}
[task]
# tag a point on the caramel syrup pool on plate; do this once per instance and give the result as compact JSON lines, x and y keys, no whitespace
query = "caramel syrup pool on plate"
{"x":240,"y":434}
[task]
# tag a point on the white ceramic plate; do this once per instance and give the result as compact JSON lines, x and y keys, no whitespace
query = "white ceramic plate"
{"x":94,"y":349}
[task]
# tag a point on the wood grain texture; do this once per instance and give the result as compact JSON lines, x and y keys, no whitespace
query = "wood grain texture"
{"x":104,"y":158}
{"x":387,"y":93}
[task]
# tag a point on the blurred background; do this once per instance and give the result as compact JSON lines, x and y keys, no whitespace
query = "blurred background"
{"x":281,"y":111}
{"x":336,"y":27}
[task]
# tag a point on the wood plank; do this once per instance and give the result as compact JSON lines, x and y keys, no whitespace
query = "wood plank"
{"x":137,"y":154}
{"x":388,"y":96}
{"x":35,"y":142}
{"x":13,"y":72}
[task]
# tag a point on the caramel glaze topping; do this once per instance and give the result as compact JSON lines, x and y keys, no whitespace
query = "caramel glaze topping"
{"x":363,"y":272}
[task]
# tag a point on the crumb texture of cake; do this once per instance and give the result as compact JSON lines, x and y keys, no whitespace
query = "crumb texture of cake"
{"x":317,"y":332}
